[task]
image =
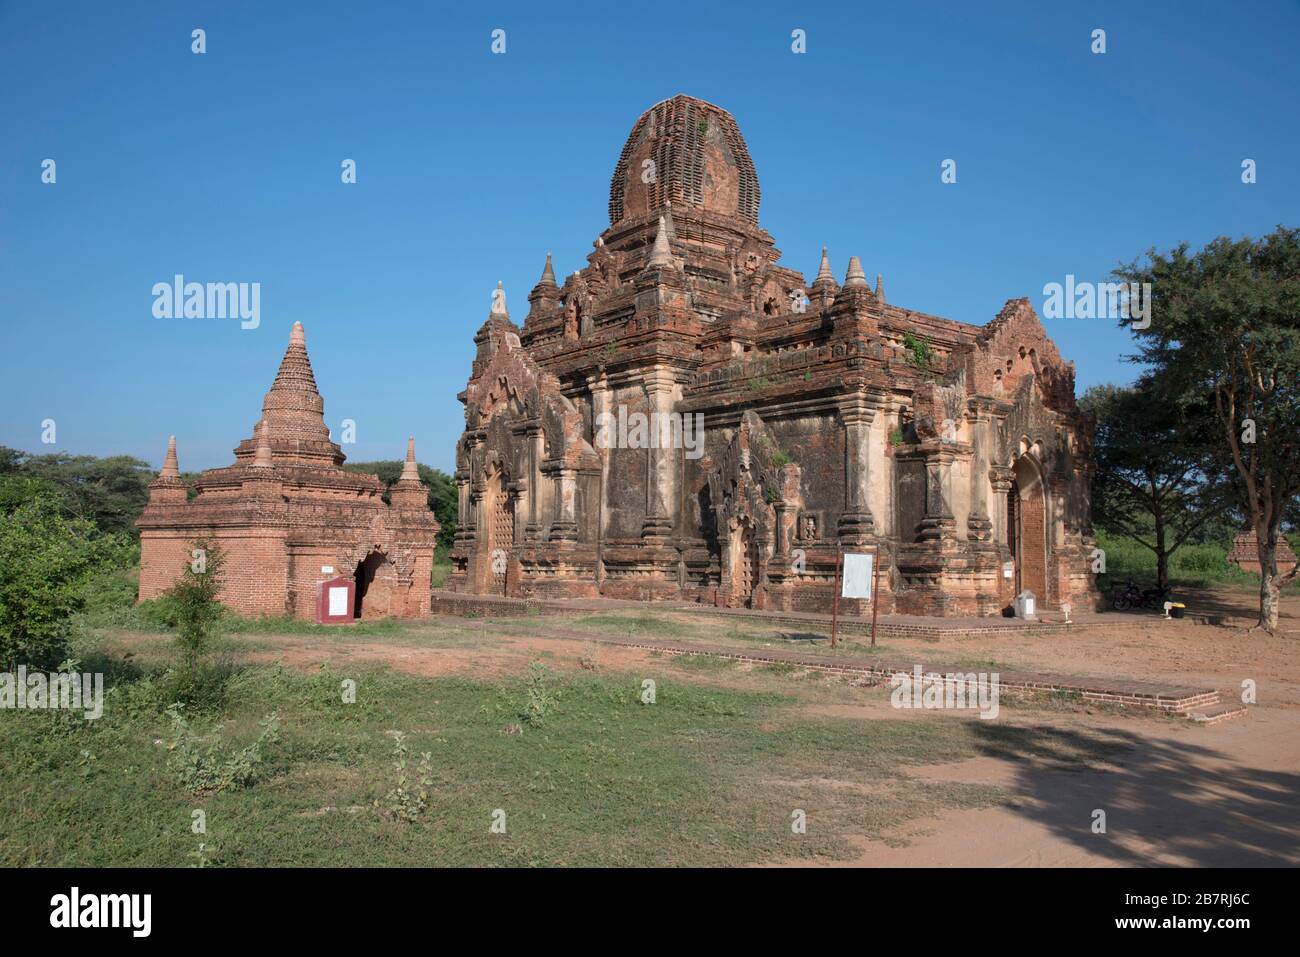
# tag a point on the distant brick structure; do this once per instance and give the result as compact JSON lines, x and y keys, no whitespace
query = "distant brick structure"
{"x":1245,"y":553}
{"x":831,"y":417}
{"x":288,"y":516}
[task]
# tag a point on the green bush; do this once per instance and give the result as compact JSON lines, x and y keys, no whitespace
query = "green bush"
{"x":47,"y":563}
{"x":539,"y":696}
{"x":194,"y":600}
{"x":201,"y":766}
{"x":408,"y":799}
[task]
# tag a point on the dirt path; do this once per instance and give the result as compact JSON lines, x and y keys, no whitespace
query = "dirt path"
{"x":1206,"y":797}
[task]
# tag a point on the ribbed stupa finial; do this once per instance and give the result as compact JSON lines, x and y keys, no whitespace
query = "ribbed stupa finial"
{"x":855,"y":276}
{"x":662,"y":253}
{"x":410,"y":471}
{"x":171,"y":467}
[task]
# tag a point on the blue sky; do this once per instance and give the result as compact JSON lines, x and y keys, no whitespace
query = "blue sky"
{"x":225,"y":167}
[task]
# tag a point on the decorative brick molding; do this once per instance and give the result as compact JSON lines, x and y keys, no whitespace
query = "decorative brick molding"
{"x":902,"y":425}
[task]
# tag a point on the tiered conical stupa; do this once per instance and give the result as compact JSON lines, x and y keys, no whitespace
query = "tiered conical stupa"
{"x":288,"y":516}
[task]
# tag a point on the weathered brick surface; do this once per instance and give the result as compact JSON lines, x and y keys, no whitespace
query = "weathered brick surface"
{"x":287,"y":509}
{"x":826,"y":425}
{"x":1245,"y":553}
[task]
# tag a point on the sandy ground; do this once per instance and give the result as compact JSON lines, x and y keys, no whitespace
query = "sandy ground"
{"x":1172,"y":792}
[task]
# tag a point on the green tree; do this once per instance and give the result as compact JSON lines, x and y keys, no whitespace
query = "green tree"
{"x":1225,"y":328}
{"x":47,"y":560}
{"x":1155,"y":481}
{"x":110,"y":492}
{"x":194,"y":600}
{"x":443,"y":500}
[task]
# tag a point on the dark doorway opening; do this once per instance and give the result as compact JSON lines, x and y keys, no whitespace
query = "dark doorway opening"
{"x":365,"y":578}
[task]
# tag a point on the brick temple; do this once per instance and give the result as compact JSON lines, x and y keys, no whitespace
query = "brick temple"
{"x":1245,"y":553}
{"x":288,"y":516}
{"x":831,"y":418}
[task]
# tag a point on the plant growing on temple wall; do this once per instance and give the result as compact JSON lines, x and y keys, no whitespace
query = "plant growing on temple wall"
{"x":919,"y":352}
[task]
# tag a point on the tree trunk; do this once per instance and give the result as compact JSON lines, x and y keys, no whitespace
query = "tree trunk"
{"x":1270,"y":589}
{"x":1162,"y":553}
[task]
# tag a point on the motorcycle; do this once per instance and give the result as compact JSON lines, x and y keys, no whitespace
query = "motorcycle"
{"x":1130,"y":596}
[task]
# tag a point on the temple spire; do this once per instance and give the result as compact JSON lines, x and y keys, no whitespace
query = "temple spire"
{"x":168,"y":488}
{"x":824,"y":270}
{"x":499,"y":301}
{"x":668,"y":221}
{"x":293,"y":412}
{"x":171,"y":468}
{"x":410,"y":470}
{"x":855,"y":276}
{"x":548,"y":274}
{"x":262,"y":458}
{"x":408,"y":491}
{"x":662,"y":253}
{"x":880,"y":288}
{"x":295,"y":368}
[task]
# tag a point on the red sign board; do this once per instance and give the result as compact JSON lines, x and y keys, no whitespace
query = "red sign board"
{"x":335,"y":599}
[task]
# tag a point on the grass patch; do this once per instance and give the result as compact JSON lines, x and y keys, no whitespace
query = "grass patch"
{"x":704,"y":663}
{"x":585,"y":773}
{"x":642,"y":625}
{"x":287,"y":625}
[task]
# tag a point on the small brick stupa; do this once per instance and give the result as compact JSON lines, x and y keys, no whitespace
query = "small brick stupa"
{"x":1245,"y":553}
{"x":288,"y":516}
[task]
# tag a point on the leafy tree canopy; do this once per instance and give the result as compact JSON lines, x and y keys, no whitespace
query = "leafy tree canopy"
{"x":442,"y":491}
{"x":109,"y":492}
{"x":1224,"y":332}
{"x":48,"y":559}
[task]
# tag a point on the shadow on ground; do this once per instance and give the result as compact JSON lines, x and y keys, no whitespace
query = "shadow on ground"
{"x":1193,"y":803}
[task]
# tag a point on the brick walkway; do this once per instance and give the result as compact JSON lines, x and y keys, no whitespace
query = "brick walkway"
{"x":888,"y":626}
{"x":1199,"y":704}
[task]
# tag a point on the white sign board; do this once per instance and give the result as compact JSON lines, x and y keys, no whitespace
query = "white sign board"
{"x":327,"y":569}
{"x":857,"y":575}
{"x":1008,"y":570}
{"x":338,"y":601}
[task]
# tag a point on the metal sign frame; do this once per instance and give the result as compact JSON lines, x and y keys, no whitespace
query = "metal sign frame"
{"x":874,"y":551}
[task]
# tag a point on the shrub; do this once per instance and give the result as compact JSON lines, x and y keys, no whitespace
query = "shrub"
{"x":406,"y":801}
{"x":194,"y":600}
{"x":206,"y":768}
{"x":47,"y":561}
{"x":538,"y":695}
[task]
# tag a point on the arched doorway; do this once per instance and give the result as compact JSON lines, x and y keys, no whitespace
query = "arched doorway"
{"x":374,"y":592}
{"x":500,"y":519}
{"x":744,"y":565}
{"x":1027,"y":527}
